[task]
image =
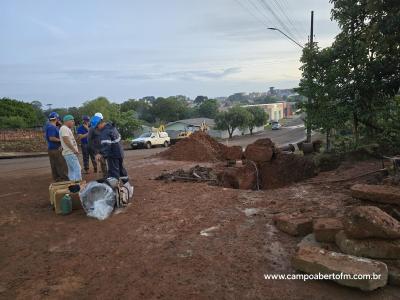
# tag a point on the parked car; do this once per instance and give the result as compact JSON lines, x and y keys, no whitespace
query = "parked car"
{"x":150,"y":139}
{"x":276,"y":126}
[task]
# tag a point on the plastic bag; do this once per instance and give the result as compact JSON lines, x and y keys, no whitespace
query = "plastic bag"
{"x":98,"y":200}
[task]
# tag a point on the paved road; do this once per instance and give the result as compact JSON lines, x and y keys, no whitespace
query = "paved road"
{"x":292,"y":132}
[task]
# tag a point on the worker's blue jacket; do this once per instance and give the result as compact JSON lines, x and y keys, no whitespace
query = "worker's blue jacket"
{"x":110,"y":142}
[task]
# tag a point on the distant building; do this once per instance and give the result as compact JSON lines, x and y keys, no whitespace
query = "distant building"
{"x":275,"y":111}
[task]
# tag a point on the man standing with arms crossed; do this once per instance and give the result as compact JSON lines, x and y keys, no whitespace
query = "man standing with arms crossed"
{"x":57,"y":161}
{"x":70,"y":149}
{"x":83,"y":132}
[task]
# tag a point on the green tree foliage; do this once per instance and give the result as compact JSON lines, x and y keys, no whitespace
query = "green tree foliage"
{"x":236,"y":117}
{"x":142,"y":107}
{"x":356,"y":78}
{"x":109,"y":110}
{"x":127,"y":123}
{"x":200,"y":99}
{"x":18,"y":114}
{"x":208,"y":109}
{"x":259,"y":117}
{"x":170,"y":109}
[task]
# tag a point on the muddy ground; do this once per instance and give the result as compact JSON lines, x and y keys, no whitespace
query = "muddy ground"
{"x":157,"y":248}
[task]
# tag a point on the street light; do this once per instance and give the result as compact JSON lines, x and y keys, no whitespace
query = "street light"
{"x":277,"y":29}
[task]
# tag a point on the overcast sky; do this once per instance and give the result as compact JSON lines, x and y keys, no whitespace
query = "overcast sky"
{"x":66,"y":52}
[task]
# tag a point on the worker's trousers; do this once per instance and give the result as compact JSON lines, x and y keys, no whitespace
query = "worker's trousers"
{"x":74,"y":168}
{"x":58,"y":165}
{"x":86,"y":154}
{"x":116,"y":168}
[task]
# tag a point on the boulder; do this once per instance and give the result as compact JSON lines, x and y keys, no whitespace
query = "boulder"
{"x":337,"y":267}
{"x":258,"y":153}
{"x":266,"y":142}
{"x":371,"y":222}
{"x":376,"y":193}
{"x":294,"y":225}
{"x":373,"y":248}
{"x":233,"y":153}
{"x":243,"y":178}
{"x":325,"y":229}
{"x":394,"y":271}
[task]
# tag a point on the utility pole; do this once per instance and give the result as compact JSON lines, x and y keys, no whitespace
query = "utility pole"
{"x":310,"y":78}
{"x":310,"y":100}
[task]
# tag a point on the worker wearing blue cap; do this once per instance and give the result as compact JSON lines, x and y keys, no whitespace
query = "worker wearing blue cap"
{"x":110,"y":149}
{"x":83,"y":131}
{"x":57,"y":161}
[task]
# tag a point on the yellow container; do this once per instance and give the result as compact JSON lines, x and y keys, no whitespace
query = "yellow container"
{"x":58,"y":186}
{"x":57,"y":190}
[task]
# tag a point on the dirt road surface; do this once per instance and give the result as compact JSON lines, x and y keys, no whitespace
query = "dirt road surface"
{"x":175,"y":241}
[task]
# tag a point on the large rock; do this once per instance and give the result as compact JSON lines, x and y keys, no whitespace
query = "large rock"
{"x":294,"y":225}
{"x":376,"y":193}
{"x":373,"y":248}
{"x":314,"y":260}
{"x":394,"y":272}
{"x":325,"y":229}
{"x":258,"y":153}
{"x":371,"y":222}
{"x":233,"y":153}
{"x":243,"y":178}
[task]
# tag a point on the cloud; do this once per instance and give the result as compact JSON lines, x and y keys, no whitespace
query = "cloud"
{"x":126,"y":75}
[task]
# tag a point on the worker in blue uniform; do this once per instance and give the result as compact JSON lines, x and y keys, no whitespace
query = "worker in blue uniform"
{"x":111,"y":148}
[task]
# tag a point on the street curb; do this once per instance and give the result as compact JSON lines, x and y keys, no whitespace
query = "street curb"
{"x":23,"y":156}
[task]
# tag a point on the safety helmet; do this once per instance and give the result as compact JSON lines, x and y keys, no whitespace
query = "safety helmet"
{"x":53,"y":116}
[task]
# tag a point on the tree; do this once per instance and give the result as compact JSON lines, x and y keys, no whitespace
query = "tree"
{"x":109,"y":110}
{"x":18,"y":114}
{"x":260,"y":117}
{"x":127,"y":124}
{"x":208,"y":108}
{"x":170,"y":109}
{"x":236,"y":117}
{"x":141,"y":107}
{"x":200,"y":99}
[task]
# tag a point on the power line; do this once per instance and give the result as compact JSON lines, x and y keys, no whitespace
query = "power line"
{"x":277,"y":18}
{"x":304,"y":27}
{"x":285,"y":15}
{"x":252,"y":13}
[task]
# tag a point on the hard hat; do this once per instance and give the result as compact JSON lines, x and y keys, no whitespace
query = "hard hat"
{"x":53,"y":115}
{"x":100,"y":115}
{"x":95,"y":121}
{"x":85,"y":118}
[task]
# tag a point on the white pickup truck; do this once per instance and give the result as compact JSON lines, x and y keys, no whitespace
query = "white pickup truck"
{"x":150,"y":139}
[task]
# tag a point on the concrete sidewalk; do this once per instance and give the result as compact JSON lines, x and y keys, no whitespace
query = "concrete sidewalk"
{"x":10,"y":155}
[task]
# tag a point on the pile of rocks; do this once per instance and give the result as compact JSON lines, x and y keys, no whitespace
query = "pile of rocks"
{"x":365,"y":241}
{"x":266,"y":167}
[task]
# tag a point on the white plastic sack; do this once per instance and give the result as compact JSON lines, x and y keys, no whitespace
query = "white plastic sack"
{"x":98,"y":200}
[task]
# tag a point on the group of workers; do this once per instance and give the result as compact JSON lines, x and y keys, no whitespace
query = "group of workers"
{"x":100,"y":143}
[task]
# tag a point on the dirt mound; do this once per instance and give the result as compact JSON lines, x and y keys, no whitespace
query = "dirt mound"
{"x":286,"y":169}
{"x":198,"y":147}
